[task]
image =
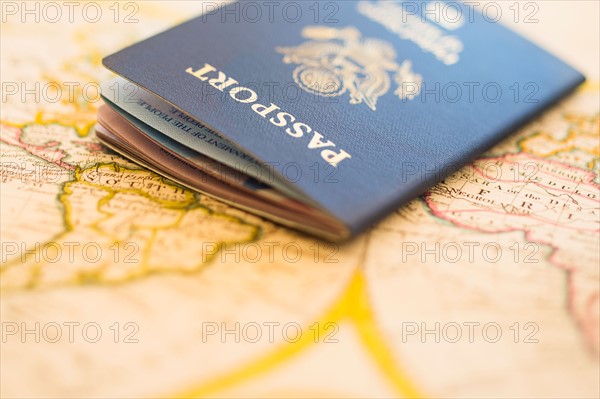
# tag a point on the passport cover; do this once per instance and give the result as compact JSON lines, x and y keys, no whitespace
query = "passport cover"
{"x":362,"y":108}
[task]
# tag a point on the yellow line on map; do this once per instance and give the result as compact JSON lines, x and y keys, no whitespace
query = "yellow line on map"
{"x":364,"y":321}
{"x":351,"y":306}
{"x":590,"y":85}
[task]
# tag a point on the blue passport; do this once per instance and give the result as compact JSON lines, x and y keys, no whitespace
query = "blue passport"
{"x":356,"y":106}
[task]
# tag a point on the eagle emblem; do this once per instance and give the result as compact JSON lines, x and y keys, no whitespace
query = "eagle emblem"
{"x":337,"y":61}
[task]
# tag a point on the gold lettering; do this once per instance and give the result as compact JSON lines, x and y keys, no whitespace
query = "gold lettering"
{"x":222,"y":82}
{"x":316,"y":142}
{"x":201,"y":72}
{"x":263,"y":110}
{"x":333,"y":158}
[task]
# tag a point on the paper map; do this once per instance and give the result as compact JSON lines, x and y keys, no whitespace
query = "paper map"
{"x":488,"y":285}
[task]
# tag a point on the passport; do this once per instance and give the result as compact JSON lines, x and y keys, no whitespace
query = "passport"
{"x":348,"y":112}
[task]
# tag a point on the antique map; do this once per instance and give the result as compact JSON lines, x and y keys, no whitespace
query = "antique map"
{"x":118,"y":283}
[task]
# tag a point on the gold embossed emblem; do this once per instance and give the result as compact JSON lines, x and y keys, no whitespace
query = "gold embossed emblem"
{"x":336,"y":61}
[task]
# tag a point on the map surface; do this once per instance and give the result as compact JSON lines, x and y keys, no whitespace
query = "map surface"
{"x":486,"y":286}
